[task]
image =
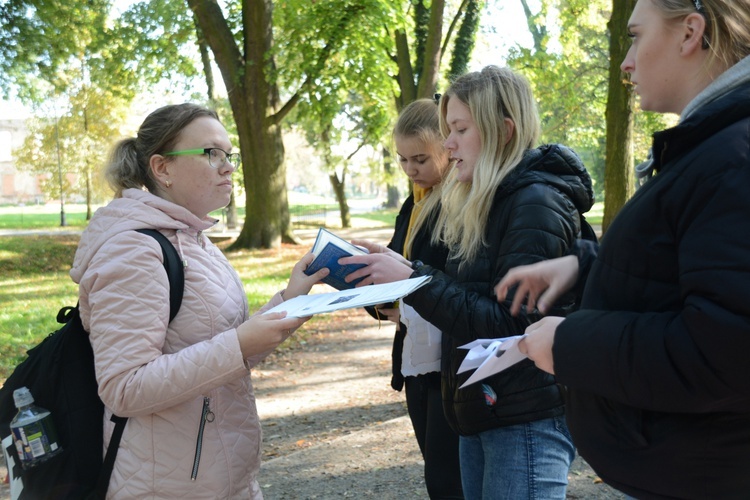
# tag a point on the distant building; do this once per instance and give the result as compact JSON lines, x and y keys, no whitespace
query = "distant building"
{"x":16,"y":184}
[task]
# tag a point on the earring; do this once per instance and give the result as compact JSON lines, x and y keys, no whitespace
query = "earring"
{"x":168,"y":184}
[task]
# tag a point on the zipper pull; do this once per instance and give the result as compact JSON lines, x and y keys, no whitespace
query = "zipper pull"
{"x":206,"y":416}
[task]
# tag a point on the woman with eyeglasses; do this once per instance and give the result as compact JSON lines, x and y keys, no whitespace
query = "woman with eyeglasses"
{"x":656,"y":360}
{"x":193,"y":429}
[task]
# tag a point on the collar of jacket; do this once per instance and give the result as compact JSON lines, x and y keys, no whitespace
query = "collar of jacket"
{"x":702,"y":124}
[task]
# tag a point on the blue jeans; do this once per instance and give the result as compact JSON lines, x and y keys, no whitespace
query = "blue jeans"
{"x":518,"y":462}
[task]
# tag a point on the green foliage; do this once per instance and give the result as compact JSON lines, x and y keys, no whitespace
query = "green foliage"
{"x":77,"y":144}
{"x":350,"y":101}
{"x":157,"y":40}
{"x":45,"y":40}
{"x":570,"y":80}
{"x":80,"y":69}
{"x":465,"y":39}
{"x":357,"y":76}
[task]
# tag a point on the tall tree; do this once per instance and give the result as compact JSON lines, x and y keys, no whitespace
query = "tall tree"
{"x":351,"y":101}
{"x":565,"y":66}
{"x":566,"y":71}
{"x":242,"y":43}
{"x":65,"y":56}
{"x":582,"y":99}
{"x":65,"y":146}
{"x":41,"y":41}
{"x":618,"y":178}
{"x":418,"y":56}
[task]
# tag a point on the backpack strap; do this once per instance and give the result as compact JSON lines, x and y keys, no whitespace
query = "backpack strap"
{"x":176,"y":276}
{"x":174,"y":268}
{"x":102,"y":484}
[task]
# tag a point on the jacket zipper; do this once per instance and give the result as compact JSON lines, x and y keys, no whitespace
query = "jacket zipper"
{"x":206,"y":416}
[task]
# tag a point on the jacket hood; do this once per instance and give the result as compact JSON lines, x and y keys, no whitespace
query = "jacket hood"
{"x":555,"y":165}
{"x":136,"y":209}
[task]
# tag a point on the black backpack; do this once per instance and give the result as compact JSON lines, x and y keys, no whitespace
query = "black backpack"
{"x":59,"y":372}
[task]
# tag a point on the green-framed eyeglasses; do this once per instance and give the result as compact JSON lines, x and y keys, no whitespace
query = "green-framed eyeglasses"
{"x":217,"y":157}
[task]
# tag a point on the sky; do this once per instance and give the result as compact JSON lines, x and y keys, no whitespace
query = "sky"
{"x":503,"y":25}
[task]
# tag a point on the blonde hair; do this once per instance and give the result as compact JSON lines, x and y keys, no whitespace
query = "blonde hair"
{"x":421,"y":120}
{"x":492,"y":95}
{"x":727,"y":22}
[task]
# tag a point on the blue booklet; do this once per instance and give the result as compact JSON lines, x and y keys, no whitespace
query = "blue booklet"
{"x":328,"y":249}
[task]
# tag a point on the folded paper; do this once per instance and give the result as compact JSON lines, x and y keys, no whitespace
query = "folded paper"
{"x":490,"y":356}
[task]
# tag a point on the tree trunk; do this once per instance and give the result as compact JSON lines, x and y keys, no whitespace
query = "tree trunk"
{"x":465,"y":40}
{"x":267,"y":206}
{"x":340,"y":192}
{"x":248,"y":73}
{"x":538,"y":33}
{"x":253,"y":101}
{"x":204,"y":49}
{"x":232,"y":211}
{"x":392,"y":199}
{"x":618,"y":170}
{"x":428,"y":74}
{"x":89,"y":188}
{"x":405,"y":76}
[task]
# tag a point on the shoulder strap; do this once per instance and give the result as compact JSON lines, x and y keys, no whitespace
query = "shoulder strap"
{"x":175,"y":271}
{"x":176,"y":276}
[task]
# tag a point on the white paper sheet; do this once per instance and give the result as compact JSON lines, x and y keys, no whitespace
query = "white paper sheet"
{"x":490,"y":356}
{"x":308,"y":305}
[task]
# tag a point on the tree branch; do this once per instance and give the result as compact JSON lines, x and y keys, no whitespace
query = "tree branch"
{"x":338,"y":32}
{"x":453,"y":24}
{"x":215,"y":29}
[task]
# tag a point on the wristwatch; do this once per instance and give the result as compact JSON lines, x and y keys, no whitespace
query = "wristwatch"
{"x":416,"y":265}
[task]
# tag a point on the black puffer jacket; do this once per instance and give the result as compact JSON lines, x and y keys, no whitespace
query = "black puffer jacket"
{"x":535,"y":215}
{"x":656,"y":360}
{"x":434,"y":254}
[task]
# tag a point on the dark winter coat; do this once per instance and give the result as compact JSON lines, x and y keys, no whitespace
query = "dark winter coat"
{"x":535,"y":215}
{"x":422,"y":249}
{"x":656,"y":360}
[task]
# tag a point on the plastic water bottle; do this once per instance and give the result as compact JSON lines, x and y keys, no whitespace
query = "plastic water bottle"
{"x":33,"y":430}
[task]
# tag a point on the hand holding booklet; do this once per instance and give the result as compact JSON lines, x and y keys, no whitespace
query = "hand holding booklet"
{"x":370,"y":295}
{"x":490,"y":356}
{"x":328,"y":249}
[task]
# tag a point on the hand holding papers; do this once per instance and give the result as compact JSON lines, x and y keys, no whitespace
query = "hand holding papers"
{"x":370,"y":295}
{"x":490,"y":356}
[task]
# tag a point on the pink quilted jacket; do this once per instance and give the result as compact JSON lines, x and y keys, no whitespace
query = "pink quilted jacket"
{"x":193,"y":429}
